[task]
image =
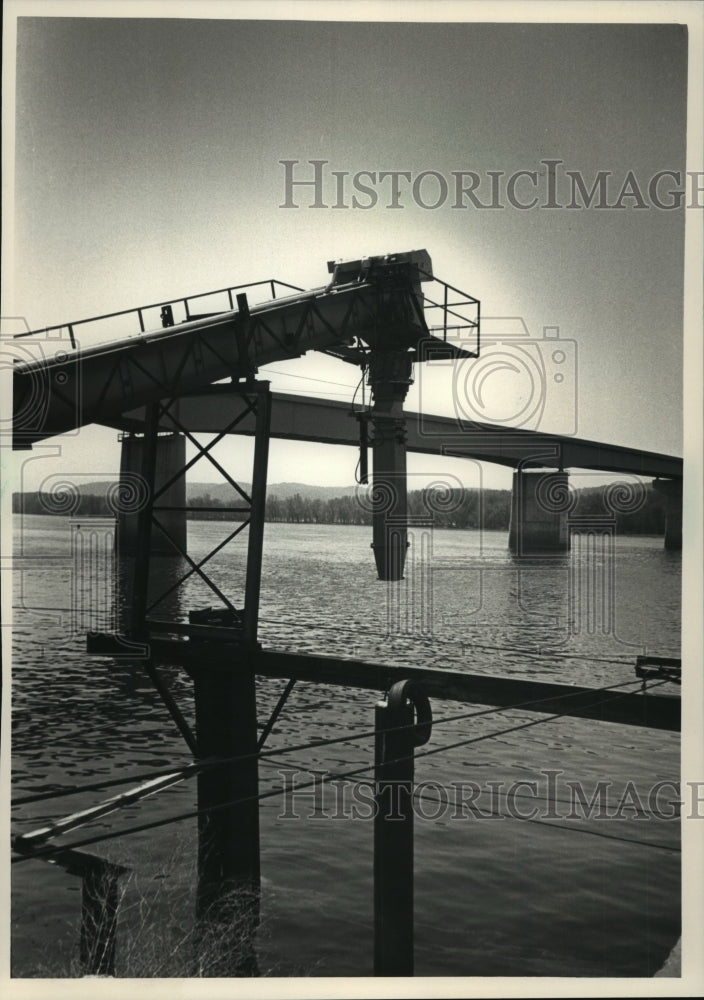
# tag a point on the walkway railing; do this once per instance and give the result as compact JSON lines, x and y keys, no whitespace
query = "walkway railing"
{"x":449,"y":312}
{"x":166,"y":316}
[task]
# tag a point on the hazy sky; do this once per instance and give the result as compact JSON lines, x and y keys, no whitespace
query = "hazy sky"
{"x":148,"y":166}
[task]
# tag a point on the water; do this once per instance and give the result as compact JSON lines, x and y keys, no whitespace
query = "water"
{"x":500,"y":896}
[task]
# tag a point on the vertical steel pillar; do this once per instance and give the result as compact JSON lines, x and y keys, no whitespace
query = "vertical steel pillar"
{"x":390,"y":375}
{"x":396,"y":737}
{"x":592,"y":576}
{"x":226,"y":725}
{"x":256,"y":523}
{"x":228,"y":823}
{"x":138,"y":584}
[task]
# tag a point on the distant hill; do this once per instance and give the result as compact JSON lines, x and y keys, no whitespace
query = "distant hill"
{"x":223,"y":491}
{"x":302,"y":503}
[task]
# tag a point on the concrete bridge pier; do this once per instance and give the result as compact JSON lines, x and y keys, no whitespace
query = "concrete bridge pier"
{"x":390,"y":375}
{"x":133,"y":494}
{"x":540,"y":502}
{"x":671,"y":489}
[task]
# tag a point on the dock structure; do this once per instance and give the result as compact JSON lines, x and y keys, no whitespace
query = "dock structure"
{"x":162,"y":388}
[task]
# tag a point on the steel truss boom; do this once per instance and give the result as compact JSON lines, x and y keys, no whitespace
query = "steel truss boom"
{"x":380,"y":305}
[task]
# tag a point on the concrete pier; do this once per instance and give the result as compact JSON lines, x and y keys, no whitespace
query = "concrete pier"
{"x":539,"y":505}
{"x":170,"y":460}
{"x":671,"y":489}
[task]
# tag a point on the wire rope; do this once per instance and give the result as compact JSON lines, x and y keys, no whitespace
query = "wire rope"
{"x":311,"y":744}
{"x":365,"y":769}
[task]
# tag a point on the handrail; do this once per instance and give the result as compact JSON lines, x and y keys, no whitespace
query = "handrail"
{"x":140,"y":310}
{"x":468,"y":323}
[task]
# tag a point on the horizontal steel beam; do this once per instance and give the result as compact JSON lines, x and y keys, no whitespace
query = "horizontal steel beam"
{"x":301,"y":418}
{"x":653,"y":711}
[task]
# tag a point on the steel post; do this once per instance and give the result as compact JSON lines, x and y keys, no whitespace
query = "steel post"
{"x":258,"y":510}
{"x":396,"y":737}
{"x":226,"y":726}
{"x":138,"y":592}
{"x":170,"y":458}
{"x":228,"y":823}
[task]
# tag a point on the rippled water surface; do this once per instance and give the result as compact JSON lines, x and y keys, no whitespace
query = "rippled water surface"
{"x":500,"y":896}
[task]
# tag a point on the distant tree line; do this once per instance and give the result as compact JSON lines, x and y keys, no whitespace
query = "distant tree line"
{"x":467,"y":508}
{"x":74,"y":505}
{"x":456,"y":509}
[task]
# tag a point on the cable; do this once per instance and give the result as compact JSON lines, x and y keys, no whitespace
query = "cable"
{"x":526,"y":651}
{"x":570,"y":829}
{"x":525,"y":725}
{"x":357,"y":479}
{"x":310,"y":745}
{"x":340,"y":395}
{"x":21,"y":607}
{"x":354,"y":397}
{"x":642,"y":813}
{"x":523,"y":650}
{"x":48,"y":852}
{"x":308,"y":378}
{"x":97,"y":786}
{"x":413,"y":638}
{"x":544,"y":800}
{"x":349,"y":737}
{"x":269,"y":794}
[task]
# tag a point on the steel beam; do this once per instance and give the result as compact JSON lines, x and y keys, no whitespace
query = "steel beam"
{"x":300,"y":418}
{"x":650,"y":710}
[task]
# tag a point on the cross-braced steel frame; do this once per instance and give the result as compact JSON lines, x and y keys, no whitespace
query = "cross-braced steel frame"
{"x":240,"y":618}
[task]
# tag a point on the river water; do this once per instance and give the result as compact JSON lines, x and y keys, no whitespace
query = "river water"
{"x":560,"y":893}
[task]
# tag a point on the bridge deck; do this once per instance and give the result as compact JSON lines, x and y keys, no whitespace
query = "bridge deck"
{"x":300,"y":418}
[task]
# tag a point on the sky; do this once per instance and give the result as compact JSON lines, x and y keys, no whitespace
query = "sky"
{"x":148,"y":166}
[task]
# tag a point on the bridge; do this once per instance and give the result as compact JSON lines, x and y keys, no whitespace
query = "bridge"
{"x":299,"y":418}
{"x":305,"y":418}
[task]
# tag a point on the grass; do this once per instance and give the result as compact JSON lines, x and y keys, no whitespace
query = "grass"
{"x":159,"y":936}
